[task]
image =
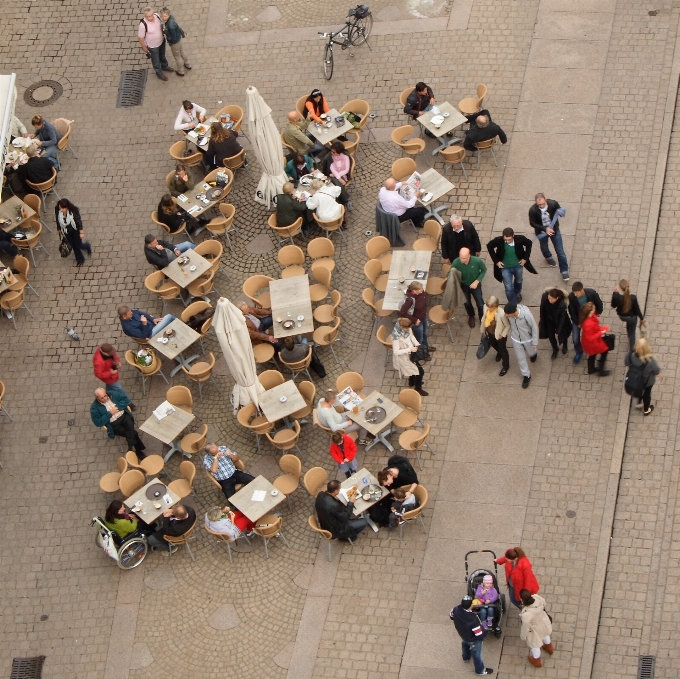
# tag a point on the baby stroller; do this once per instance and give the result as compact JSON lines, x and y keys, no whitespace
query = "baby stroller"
{"x":475,"y":579}
{"x":128,"y":552}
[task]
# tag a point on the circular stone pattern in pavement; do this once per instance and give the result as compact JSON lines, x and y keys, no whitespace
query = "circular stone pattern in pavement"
{"x":43,"y":93}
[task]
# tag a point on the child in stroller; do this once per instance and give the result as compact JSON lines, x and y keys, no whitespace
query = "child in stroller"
{"x":482,"y":584}
{"x":485,"y":596}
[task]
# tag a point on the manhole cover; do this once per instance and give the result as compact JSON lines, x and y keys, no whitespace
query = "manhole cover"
{"x":571,"y":514}
{"x":131,"y":88}
{"x":27,"y":668}
{"x":43,"y":93}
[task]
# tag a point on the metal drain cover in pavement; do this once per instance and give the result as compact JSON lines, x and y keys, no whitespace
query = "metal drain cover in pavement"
{"x":43,"y":93}
{"x":27,"y":668}
{"x":646,"y":667}
{"x":131,"y":88}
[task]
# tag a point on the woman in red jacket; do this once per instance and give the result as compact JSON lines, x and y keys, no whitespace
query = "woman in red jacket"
{"x":591,"y":339}
{"x":343,"y":450}
{"x":518,"y":573}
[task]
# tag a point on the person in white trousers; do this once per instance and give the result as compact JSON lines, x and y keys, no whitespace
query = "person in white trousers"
{"x":536,"y":626}
{"x":524,"y":336}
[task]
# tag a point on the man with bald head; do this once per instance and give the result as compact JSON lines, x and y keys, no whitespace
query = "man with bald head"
{"x":295,"y":135}
{"x":482,"y":128}
{"x":111,"y":412}
{"x":472,"y":270}
{"x":393,"y":202}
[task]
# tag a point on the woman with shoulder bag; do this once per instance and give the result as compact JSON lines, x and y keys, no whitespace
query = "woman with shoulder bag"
{"x":592,"y":341}
{"x":628,"y":310}
{"x":407,"y":354}
{"x":536,"y":626}
{"x":554,"y":324}
{"x":641,"y":361}
{"x":70,"y":227}
{"x":495,"y":327}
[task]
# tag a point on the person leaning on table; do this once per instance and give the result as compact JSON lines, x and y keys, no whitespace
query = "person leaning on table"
{"x":336,"y":517}
{"x":394,"y":203}
{"x":189,"y":116}
{"x":141,"y":325}
{"x":160,"y":252}
{"x":289,"y":209}
{"x":176,"y":522}
{"x":221,"y":465}
{"x":180,"y":182}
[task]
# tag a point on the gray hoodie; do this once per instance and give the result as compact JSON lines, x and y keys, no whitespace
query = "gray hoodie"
{"x":524,"y":328}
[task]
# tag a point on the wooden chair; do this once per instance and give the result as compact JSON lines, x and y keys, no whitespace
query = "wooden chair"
{"x":299,"y":367}
{"x":403,"y":97}
{"x":22,"y":266}
{"x":332,"y":225}
{"x":382,"y":337}
{"x":321,"y":251}
{"x":183,"y":539}
{"x":435,"y":285}
{"x":263,"y":353}
{"x":221,"y":226}
{"x":373,"y":271}
{"x":236,"y":162}
{"x":352,"y":146}
{"x":432,"y":239}
{"x":35,"y":203}
{"x":109,"y":483}
{"x":241,"y":467}
{"x":486,"y":146}
{"x":308,"y":392}
{"x":269,"y":527}
{"x":289,"y":481}
{"x":368,"y":295}
{"x":191,"y":444}
{"x":212,"y":250}
{"x":350,"y":379}
{"x":151,"y":465}
{"x":202,"y":372}
{"x":286,"y":439}
{"x":321,"y":289}
{"x":473,"y":104}
{"x":326,"y":336}
{"x":315,"y":480}
{"x":438,"y":316}
{"x":63,"y":127}
{"x":163,"y":287}
{"x":414,"y":440}
{"x":412,"y":403}
{"x":300,"y":105}
{"x":285,"y":232}
{"x":146,"y":371}
{"x":327,"y":313}
{"x":379,"y":248}
{"x":410,"y":147}
{"x":452,"y":155}
{"x":287,"y":145}
{"x":177,"y":153}
{"x":228,"y":188}
{"x":46,"y":188}
{"x":292,"y":259}
{"x":180,"y":397}
{"x":131,"y":481}
{"x":257,"y":424}
{"x":181,"y":231}
{"x":323,"y":534}
{"x":235,"y":112}
{"x":363,"y":109}
{"x":194,"y":309}
{"x":253,"y":285}
{"x":184,"y":486}
{"x":225,"y":538}
{"x":403,"y":168}
{"x":32,"y":242}
{"x":270,"y":379}
{"x":2,"y":396}
{"x":11,"y":302}
{"x":422,"y":496}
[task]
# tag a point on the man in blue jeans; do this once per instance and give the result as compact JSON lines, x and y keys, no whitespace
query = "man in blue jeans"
{"x":543,"y":216}
{"x":152,"y":41}
{"x":141,"y":325}
{"x":577,"y":298}
{"x":510,"y":255}
{"x":469,"y":628}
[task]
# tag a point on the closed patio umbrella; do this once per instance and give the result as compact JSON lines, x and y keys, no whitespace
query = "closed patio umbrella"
{"x":267,"y":146}
{"x":232,"y":333}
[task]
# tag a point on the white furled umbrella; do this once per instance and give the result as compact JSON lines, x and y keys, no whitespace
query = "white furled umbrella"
{"x":232,"y":333}
{"x":267,"y":146}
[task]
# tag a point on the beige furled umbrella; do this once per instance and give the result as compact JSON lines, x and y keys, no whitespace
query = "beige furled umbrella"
{"x":267,"y":146}
{"x":232,"y":333}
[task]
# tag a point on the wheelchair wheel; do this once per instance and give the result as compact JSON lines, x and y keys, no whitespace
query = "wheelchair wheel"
{"x":132,"y":553}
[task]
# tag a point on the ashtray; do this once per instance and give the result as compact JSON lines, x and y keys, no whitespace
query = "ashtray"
{"x":288,"y":324}
{"x":279,"y":319}
{"x":170,"y":333}
{"x":274,"y":492}
{"x":163,"y":340}
{"x":301,"y":318}
{"x":283,"y":399}
{"x":192,"y":268}
{"x":446,"y":115}
{"x":214,"y":193}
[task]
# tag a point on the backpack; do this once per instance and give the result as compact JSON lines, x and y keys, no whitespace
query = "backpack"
{"x":635,"y":381}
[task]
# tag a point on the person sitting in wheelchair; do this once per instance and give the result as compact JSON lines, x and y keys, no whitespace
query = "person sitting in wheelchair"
{"x":119,"y":520}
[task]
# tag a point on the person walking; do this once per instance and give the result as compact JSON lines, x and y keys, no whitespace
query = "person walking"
{"x":459,"y":233}
{"x":152,"y":42}
{"x":404,"y":344}
{"x":415,"y":309}
{"x":510,"y":255}
{"x":524,"y":336}
{"x":553,"y":322}
{"x":70,"y":227}
{"x":544,"y":217}
{"x":174,"y":35}
{"x":472,"y":271}
{"x":641,"y":376}
{"x":591,"y":339}
{"x":577,"y":298}
{"x":536,"y":626}
{"x":472,"y":633}
{"x":519,"y":574}
{"x":497,"y":327}
{"x":628,"y":309}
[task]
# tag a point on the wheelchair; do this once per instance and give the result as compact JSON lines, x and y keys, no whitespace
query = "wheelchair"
{"x":128,"y":552}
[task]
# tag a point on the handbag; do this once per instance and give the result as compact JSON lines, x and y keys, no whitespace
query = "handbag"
{"x":609,"y":339}
{"x":65,"y":248}
{"x":420,"y":354}
{"x":484,"y":346}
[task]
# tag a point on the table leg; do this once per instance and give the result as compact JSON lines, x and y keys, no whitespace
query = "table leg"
{"x":371,"y":523}
{"x":174,"y":448}
{"x":433,"y":213}
{"x":446,"y":143}
{"x":183,"y":362}
{"x":380,"y":438}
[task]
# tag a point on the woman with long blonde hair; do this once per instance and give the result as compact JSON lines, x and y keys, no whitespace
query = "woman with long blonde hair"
{"x":628,"y":309}
{"x":642,"y":370}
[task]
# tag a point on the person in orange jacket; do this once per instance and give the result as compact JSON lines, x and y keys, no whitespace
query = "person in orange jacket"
{"x":519,"y":574}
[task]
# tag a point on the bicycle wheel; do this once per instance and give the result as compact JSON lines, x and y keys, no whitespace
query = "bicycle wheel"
{"x":132,"y":553}
{"x":328,"y":62}
{"x":361,"y":29}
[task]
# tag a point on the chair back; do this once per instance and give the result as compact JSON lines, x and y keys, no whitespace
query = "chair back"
{"x":314,"y":479}
{"x":122,"y":465}
{"x":63,"y":128}
{"x":285,"y":439}
{"x":132,"y":460}
{"x":290,"y":464}
{"x":33,"y":201}
{"x":403,"y":97}
{"x":485,"y":145}
{"x":368,"y":295}
{"x":382,"y":337}
{"x":12,"y":300}
{"x":329,"y":335}
{"x":360,"y":107}
{"x":300,"y":105}
{"x":235,"y":112}
{"x":201,"y":372}
{"x":308,"y":391}
{"x":180,"y":539}
{"x":322,"y":275}
{"x":270,"y":379}
{"x":131,"y":482}
{"x":286,"y":144}
{"x":453,"y":154}
{"x":252,"y":285}
{"x":376,"y":246}
{"x":372,"y":269}
{"x":157,"y":283}
{"x":22,"y":265}
{"x":31,"y":241}
{"x":314,"y":525}
{"x":290,"y":255}
{"x":331,"y":224}
{"x":351,"y":146}
{"x":285,"y":231}
{"x":403,"y":168}
{"x":422,"y":496}
{"x":181,"y":397}
{"x":317,"y":422}
{"x":245,"y":414}
{"x":297,"y":365}
{"x":228,"y":211}
{"x":270,"y":525}
{"x":349,"y":379}
{"x":320,"y":247}
{"x":434,"y":230}
{"x":237,"y":161}
{"x":410,"y":398}
{"x":401,"y":133}
{"x":481,"y":94}
{"x":419,"y":442}
{"x":196,"y":308}
{"x":188,"y":470}
{"x":210,"y":249}
{"x":177,"y":151}
{"x":45,"y":187}
{"x":200,"y":441}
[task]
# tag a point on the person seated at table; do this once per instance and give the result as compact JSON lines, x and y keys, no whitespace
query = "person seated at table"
{"x":343,"y":451}
{"x":482,"y":128}
{"x":293,"y":351}
{"x":17,"y":129}
{"x":37,"y":169}
{"x":220,"y":463}
{"x":257,"y":322}
{"x":172,"y":215}
{"x":226,"y":520}
{"x":399,"y":473}
{"x":295,"y":135}
{"x":298,"y":166}
{"x":336,"y":517}
{"x":160,"y":253}
{"x":119,"y":520}
{"x":140,"y":324}
{"x":340,"y":163}
{"x":222,"y":145}
{"x":315,"y":106}
{"x":189,"y":116}
{"x":330,"y":418}
{"x":47,"y":138}
{"x":176,"y":522}
{"x":181,"y":181}
{"x":6,"y":244}
{"x":111,"y":412}
{"x":393,"y":202}
{"x":420,"y":100}
{"x":324,"y":201}
{"x":289,"y":209}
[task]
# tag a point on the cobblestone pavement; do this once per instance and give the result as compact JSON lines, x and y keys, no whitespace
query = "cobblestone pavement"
{"x":208,"y":617}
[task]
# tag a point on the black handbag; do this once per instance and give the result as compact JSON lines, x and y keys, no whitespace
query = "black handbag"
{"x":484,"y":346}
{"x":609,"y":339}
{"x":65,"y":248}
{"x":420,"y":354}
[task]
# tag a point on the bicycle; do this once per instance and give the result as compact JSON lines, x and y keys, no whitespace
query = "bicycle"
{"x":358,"y":24}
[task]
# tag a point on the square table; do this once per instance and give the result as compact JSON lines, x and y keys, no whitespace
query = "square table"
{"x":290,"y":299}
{"x":183,"y":339}
{"x":181,"y":274}
{"x":193,"y":136}
{"x":169,"y":428}
{"x":392,"y":409}
{"x":453,"y":120}
{"x":243,"y":500}
{"x":438,"y":185}
{"x":361,"y":505}
{"x":8,"y":210}
{"x":273,"y":408}
{"x":148,"y":513}
{"x":4,"y":282}
{"x":328,"y":134}
{"x":194,"y":207}
{"x":402,"y":263}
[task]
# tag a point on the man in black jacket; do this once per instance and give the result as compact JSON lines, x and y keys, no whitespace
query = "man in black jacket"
{"x":175,"y":523}
{"x":160,"y":253}
{"x":510,"y":254}
{"x":482,"y":128}
{"x":543,"y":217}
{"x":460,"y":233}
{"x":577,"y":298}
{"x":420,"y":100}
{"x":336,"y":517}
{"x":470,"y":630}
{"x":37,"y":170}
{"x":289,"y":209}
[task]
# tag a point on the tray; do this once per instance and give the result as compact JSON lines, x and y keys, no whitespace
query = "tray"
{"x":375,"y":414}
{"x":212,"y":194}
{"x":156,"y":488}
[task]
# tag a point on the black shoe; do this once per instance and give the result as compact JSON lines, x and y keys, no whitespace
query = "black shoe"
{"x":564,"y":349}
{"x":525,"y":382}
{"x":554,"y":354}
{"x":503,"y":372}
{"x":533,"y":358}
{"x":422,"y":392}
{"x":427,"y":358}
{"x":132,"y":407}
{"x":518,"y":297}
{"x":188,"y":67}
{"x":649,"y":412}
{"x":449,"y":134}
{"x":498,"y":358}
{"x":551,"y":262}
{"x":604,"y":373}
{"x":487,"y":671}
{"x":164,"y":78}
